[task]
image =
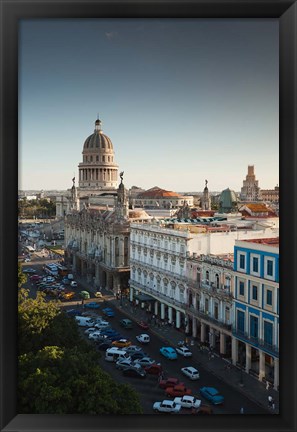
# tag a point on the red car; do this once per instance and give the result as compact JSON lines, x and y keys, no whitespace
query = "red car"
{"x":169,"y":382}
{"x":153,"y":369}
{"x":35,"y":278}
{"x":143,"y":324}
{"x":178,"y":390}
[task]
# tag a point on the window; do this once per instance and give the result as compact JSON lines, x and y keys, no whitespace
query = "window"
{"x":254,"y":326}
{"x":241,"y":288}
{"x":255,"y":264}
{"x":269,"y":267}
{"x":269,"y":297}
{"x":268,"y":332}
{"x":254,"y":292}
{"x":240,"y":321}
{"x":241,"y":261}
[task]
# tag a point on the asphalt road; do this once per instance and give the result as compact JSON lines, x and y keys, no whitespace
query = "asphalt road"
{"x":148,"y":388}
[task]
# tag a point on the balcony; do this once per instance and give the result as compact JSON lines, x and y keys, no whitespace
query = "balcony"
{"x":256,"y":342}
{"x":158,"y":269}
{"x":199,"y":313}
{"x":157,"y":294}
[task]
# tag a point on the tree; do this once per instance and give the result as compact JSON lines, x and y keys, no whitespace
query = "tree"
{"x":22,"y":278}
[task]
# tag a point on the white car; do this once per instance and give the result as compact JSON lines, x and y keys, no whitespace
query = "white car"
{"x":73,"y":284}
{"x":94,"y":335}
{"x":90,"y":330}
{"x":132,"y":349}
{"x":184,"y":351}
{"x":145,"y":361}
{"x":143,"y":338}
{"x":102,"y":324}
{"x":123,"y":364}
{"x":167,"y":406}
{"x":191,"y":372}
{"x":187,"y":401}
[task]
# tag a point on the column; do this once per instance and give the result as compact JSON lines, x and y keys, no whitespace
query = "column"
{"x":234,"y":350}
{"x":194,"y":327}
{"x":211,"y":337}
{"x":150,"y":307}
{"x":131,"y":294}
{"x":202,"y":337}
{"x":177,"y":319}
{"x":187,"y":322}
{"x":276,"y":374}
{"x":222,"y":343}
{"x":156,"y":308}
{"x":261,"y":365}
{"x":97,"y":278}
{"x":248,"y":357}
{"x":170,"y":314}
{"x":194,"y":301}
{"x":162,"y":311}
{"x":74,"y":264}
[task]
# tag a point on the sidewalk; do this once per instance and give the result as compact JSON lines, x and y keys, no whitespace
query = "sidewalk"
{"x":243,"y":382}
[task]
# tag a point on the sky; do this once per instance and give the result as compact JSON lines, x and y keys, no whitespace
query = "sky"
{"x":182,"y":100}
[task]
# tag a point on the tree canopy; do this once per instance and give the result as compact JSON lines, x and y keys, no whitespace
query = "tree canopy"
{"x":58,"y":369}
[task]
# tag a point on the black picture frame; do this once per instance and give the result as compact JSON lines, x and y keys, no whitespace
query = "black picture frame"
{"x":11,"y":13}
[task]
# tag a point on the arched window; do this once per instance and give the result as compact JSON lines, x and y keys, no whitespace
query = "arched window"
{"x":217,"y":281}
{"x":207,"y":276}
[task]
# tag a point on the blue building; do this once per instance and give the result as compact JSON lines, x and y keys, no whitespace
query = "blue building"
{"x":255,"y":341}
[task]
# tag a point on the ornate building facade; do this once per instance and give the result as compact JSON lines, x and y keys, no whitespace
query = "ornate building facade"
{"x":97,"y":243}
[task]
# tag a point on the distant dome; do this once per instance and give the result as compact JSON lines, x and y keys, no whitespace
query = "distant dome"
{"x":228,"y":200}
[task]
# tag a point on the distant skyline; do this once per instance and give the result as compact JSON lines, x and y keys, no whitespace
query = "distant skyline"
{"x":182,"y":100}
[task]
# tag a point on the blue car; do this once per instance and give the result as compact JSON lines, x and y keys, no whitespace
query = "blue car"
{"x":92,"y":305}
{"x":212,"y":394}
{"x":73,"y":312}
{"x":110,"y":332}
{"x":169,"y":353}
{"x":108,"y":312}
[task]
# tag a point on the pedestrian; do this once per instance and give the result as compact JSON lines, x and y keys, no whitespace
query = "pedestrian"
{"x":241,"y":410}
{"x":270,"y":400}
{"x":267,"y":385}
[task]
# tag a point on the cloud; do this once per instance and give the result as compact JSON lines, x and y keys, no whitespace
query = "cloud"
{"x":111,"y":35}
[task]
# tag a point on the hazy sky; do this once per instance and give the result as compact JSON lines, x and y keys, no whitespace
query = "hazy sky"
{"x":183,"y":100}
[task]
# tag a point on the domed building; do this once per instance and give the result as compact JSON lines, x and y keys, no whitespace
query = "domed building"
{"x":228,"y":202}
{"x":98,"y":170}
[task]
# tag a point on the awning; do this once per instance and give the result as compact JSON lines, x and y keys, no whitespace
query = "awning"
{"x":144,"y":297}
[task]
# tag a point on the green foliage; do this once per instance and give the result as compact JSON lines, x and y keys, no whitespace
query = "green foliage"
{"x":38,"y":207}
{"x":22,"y":278}
{"x":58,"y":369}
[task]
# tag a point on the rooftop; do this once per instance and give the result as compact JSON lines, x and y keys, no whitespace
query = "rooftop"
{"x":266,"y":241}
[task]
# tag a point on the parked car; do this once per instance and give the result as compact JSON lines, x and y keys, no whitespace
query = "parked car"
{"x":188,"y":401}
{"x":73,"y":312}
{"x":169,"y":353}
{"x":191,"y":372}
{"x":35,"y":277}
{"x":166,"y":406}
{"x":84,"y":295}
{"x":212,"y":394}
{"x":100,"y":325}
{"x":153,"y":369}
{"x":89,"y":330}
{"x":138,"y":355}
{"x":68,"y":295}
{"x":178,"y":390}
{"x":92,"y":305}
{"x":108,"y":312}
{"x":134,"y":372}
{"x":184,"y":351}
{"x":73,"y":284}
{"x":29,"y":270}
{"x":126,"y":323}
{"x":143,"y":338}
{"x":145,"y":361}
{"x":123,"y":364}
{"x":98,"y":294}
{"x":170,"y":382}
{"x":133,"y":349}
{"x":121,"y":343}
{"x":94,"y":335}
{"x":143,"y":324}
{"x":204,"y":410}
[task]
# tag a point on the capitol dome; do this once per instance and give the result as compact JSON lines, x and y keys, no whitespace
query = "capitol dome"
{"x":98,"y":168}
{"x":98,"y":140}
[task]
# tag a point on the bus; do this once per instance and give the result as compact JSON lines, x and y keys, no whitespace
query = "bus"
{"x":51,"y":269}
